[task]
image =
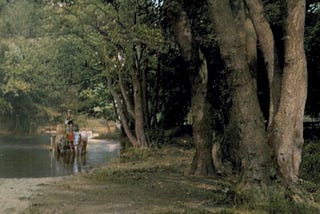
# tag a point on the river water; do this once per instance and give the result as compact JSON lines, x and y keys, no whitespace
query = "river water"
{"x":31,"y":158}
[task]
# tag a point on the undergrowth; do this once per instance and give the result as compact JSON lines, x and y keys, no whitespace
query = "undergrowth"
{"x":310,"y":165}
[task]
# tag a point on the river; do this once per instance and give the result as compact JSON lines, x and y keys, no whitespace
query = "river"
{"x":30,"y":157}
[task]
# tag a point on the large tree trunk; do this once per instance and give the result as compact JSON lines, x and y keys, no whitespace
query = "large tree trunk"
{"x":287,"y":128}
{"x":198,"y":72}
{"x":246,"y":117}
{"x":202,"y":163}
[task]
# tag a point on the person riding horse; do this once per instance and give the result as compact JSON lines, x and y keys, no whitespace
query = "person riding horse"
{"x":68,"y":122}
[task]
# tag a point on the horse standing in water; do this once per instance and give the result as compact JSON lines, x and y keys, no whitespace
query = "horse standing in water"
{"x":62,"y":143}
{"x":84,"y":141}
{"x":58,"y":142}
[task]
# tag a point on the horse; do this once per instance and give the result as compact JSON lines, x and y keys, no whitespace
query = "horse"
{"x":83,"y":142}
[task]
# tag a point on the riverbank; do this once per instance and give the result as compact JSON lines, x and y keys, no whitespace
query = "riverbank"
{"x":16,"y":194}
{"x":144,"y":181}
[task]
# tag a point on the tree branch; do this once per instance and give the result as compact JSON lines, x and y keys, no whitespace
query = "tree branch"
{"x":266,"y":39}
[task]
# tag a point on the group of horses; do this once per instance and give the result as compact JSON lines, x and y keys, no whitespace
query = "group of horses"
{"x":61,"y":146}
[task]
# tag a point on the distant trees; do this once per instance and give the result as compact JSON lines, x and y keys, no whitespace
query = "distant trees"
{"x":132,"y":59}
{"x":128,"y":58}
{"x":42,"y":65}
{"x":64,"y":52}
{"x":24,"y":76}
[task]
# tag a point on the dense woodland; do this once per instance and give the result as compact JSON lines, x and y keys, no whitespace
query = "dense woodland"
{"x":242,"y":75}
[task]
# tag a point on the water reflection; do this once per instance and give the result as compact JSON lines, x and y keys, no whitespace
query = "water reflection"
{"x":31,"y":157}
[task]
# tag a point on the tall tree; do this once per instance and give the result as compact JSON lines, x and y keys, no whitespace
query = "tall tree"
{"x":229,"y":25}
{"x":131,"y":37}
{"x":197,"y":71}
{"x":286,"y":132}
{"x":286,"y":106}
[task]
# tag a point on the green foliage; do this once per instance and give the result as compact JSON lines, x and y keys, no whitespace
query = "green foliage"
{"x":275,"y":199}
{"x":97,"y":102}
{"x":134,"y":154}
{"x":128,"y":35}
{"x":27,"y":68}
{"x":15,"y":19}
{"x":175,"y":91}
{"x":312,"y":45}
{"x":58,"y":56}
{"x":273,"y":12}
{"x":5,"y":107}
{"x":310,"y":164}
{"x":313,"y":189}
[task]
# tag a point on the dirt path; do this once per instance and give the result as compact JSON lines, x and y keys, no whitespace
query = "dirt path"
{"x":15,"y":194}
{"x":134,"y":191}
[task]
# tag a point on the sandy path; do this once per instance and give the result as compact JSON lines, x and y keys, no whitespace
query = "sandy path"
{"x":15,"y":194}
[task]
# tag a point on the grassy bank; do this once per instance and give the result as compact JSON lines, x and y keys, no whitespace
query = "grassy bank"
{"x":154,"y":181}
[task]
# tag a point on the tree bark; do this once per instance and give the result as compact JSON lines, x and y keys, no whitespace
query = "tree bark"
{"x":286,"y":135}
{"x":145,"y":97}
{"x":217,"y":163}
{"x":138,"y":109}
{"x":155,"y":99}
{"x":266,"y":41}
{"x":122,"y":115}
{"x":125,"y":96}
{"x":202,"y":163}
{"x":181,"y":27}
{"x":246,"y":117}
{"x":134,"y":107}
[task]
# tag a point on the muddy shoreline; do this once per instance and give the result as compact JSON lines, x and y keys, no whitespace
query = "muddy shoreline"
{"x":16,"y":193}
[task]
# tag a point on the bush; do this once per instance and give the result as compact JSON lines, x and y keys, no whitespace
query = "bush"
{"x":310,"y":165}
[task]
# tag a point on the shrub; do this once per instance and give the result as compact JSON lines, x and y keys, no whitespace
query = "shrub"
{"x":310,"y":165}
